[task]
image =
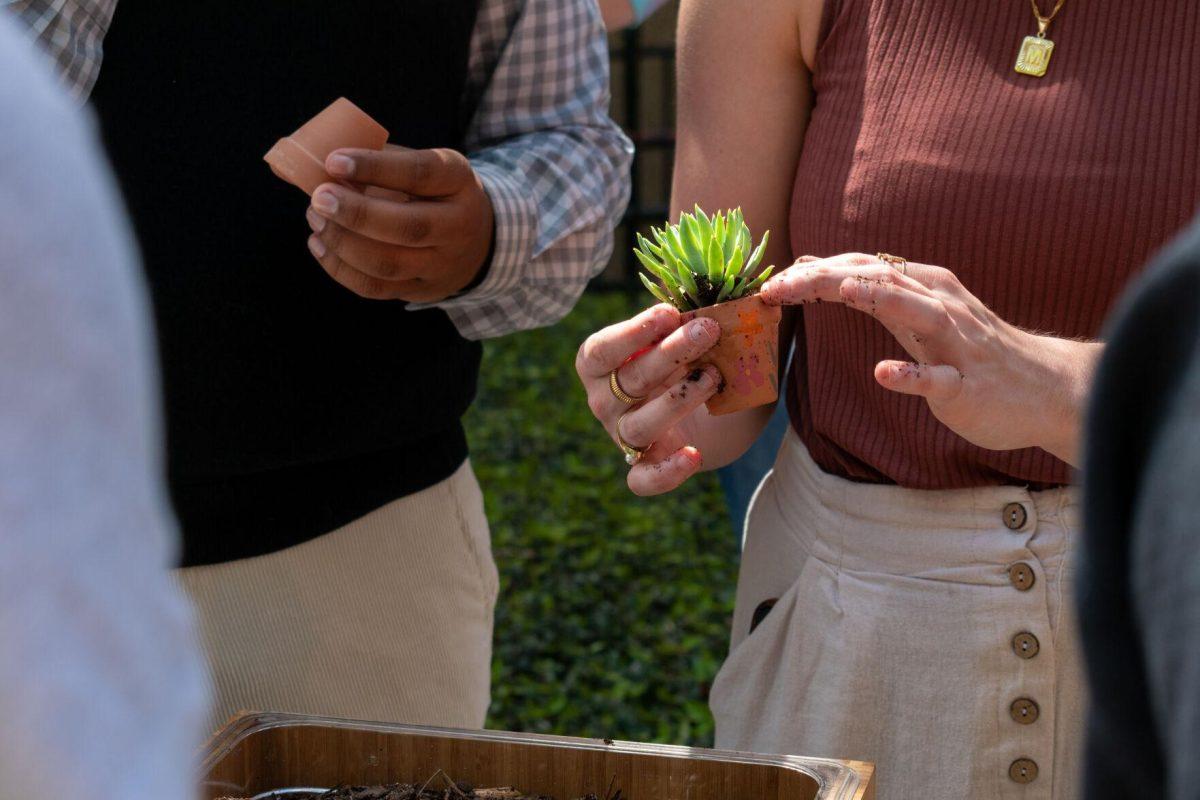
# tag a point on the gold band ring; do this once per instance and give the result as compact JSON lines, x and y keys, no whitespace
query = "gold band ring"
{"x":633,"y":455}
{"x":895,"y":262}
{"x":615,"y":386}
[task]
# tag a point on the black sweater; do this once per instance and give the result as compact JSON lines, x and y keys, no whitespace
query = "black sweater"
{"x":293,"y":406}
{"x":1139,"y":570}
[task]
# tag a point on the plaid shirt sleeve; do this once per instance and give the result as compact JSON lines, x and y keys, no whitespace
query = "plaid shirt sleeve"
{"x":72,"y":33}
{"x":555,"y":166}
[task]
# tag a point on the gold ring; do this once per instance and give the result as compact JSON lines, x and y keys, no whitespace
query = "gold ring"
{"x":618,"y":392}
{"x":895,"y":262}
{"x":632,"y":454}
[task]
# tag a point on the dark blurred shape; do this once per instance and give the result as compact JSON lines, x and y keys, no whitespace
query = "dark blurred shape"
{"x":1139,"y":581}
{"x":642,"y":60}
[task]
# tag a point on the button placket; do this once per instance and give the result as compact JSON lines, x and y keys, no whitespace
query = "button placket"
{"x":1023,"y":770}
{"x":1022,"y":576}
{"x":1024,"y":711}
{"x":1015,"y":516}
{"x":1027,"y":697}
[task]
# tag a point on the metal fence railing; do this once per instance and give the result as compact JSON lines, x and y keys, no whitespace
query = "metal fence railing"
{"x":643,"y":68}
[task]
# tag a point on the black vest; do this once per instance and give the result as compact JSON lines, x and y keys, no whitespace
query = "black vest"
{"x":293,"y":406}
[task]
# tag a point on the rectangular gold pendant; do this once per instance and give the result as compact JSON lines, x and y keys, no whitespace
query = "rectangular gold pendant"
{"x":1034,"y":57}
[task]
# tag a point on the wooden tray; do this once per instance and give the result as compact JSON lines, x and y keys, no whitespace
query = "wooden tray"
{"x":262,"y":752}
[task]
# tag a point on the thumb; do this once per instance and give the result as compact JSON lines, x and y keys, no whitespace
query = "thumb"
{"x":936,"y":382}
{"x":426,"y":173}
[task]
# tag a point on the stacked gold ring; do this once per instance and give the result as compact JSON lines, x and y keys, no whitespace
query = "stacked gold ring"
{"x":633,"y":455}
{"x":615,"y":385}
{"x":895,"y":262}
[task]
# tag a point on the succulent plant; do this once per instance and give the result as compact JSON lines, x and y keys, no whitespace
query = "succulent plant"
{"x":703,"y":260}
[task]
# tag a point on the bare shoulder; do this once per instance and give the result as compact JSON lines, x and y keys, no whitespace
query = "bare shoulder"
{"x":784,"y":27}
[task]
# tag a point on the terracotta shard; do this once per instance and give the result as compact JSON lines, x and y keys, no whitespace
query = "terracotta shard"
{"x":747,"y":354}
{"x":300,"y":158}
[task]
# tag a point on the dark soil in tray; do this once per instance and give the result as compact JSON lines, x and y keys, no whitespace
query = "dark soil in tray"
{"x":438,"y":787}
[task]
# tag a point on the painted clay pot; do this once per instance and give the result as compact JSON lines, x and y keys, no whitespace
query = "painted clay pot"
{"x":747,"y":353}
{"x":300,"y":158}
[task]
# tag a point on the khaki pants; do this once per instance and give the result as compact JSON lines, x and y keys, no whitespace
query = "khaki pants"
{"x":929,"y":632}
{"x":387,"y":619}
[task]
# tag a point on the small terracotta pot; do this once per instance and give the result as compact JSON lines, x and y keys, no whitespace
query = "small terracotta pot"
{"x":300,"y":158}
{"x":747,"y":354}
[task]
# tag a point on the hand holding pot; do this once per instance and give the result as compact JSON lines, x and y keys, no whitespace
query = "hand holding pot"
{"x":413,"y":225}
{"x":997,"y":386}
{"x":652,"y":355}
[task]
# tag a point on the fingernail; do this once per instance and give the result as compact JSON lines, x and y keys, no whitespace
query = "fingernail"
{"x":702,"y":330}
{"x":316,"y":247}
{"x":706,"y":376}
{"x":340,"y":166}
{"x":325,"y":202}
{"x":315,"y":220}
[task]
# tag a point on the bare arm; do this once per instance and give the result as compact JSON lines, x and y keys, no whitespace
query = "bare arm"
{"x":744,"y":100}
{"x":744,"y":103}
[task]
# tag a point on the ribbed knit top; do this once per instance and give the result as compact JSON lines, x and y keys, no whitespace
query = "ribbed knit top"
{"x":1044,"y":195}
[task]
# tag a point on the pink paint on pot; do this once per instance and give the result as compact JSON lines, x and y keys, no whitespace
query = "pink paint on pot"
{"x":747,"y":353}
{"x":300,"y":158}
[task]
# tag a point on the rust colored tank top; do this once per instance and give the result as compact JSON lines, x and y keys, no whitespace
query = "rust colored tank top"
{"x":1044,"y":195}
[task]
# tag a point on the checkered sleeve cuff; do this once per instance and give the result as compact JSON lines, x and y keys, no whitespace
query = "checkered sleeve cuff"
{"x":516,"y":215}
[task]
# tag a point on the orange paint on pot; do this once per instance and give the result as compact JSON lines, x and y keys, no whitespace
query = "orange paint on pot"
{"x":747,"y":353}
{"x":300,"y":158}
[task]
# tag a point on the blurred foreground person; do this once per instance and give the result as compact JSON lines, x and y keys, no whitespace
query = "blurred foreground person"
{"x":102,"y":693}
{"x":1139,"y":573}
{"x":318,"y":359}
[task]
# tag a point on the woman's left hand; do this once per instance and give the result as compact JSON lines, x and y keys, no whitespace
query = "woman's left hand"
{"x":990,"y":382}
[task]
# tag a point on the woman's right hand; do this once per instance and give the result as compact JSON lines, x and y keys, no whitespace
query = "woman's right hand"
{"x":653,"y":354}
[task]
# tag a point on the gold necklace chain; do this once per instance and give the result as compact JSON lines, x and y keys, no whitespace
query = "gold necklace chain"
{"x":1044,"y":22}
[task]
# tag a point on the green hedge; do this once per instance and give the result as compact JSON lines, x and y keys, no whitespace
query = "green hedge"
{"x":614,"y":610}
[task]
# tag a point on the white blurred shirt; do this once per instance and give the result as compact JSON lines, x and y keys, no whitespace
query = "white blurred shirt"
{"x":102,"y":693}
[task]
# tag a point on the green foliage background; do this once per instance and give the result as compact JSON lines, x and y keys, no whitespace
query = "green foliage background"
{"x":614,"y":610}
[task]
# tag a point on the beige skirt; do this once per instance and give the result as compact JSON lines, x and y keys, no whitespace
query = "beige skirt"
{"x":929,"y":632}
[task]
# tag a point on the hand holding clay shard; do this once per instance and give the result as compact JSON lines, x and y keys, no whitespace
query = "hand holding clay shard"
{"x":300,"y":158}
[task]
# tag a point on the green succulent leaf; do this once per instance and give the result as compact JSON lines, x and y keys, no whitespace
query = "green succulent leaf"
{"x":649,"y":247}
{"x":704,"y":225}
{"x":716,"y":263}
{"x":755,"y":284}
{"x":727,"y":289}
{"x":730,"y":239}
{"x":674,"y":265}
{"x":757,"y":257}
{"x":734,"y":267}
{"x":744,"y":239}
{"x":670,"y":282}
{"x":715,"y":252}
{"x":649,"y":263}
{"x":693,"y":244}
{"x":656,"y":290}
{"x":688,"y":282}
